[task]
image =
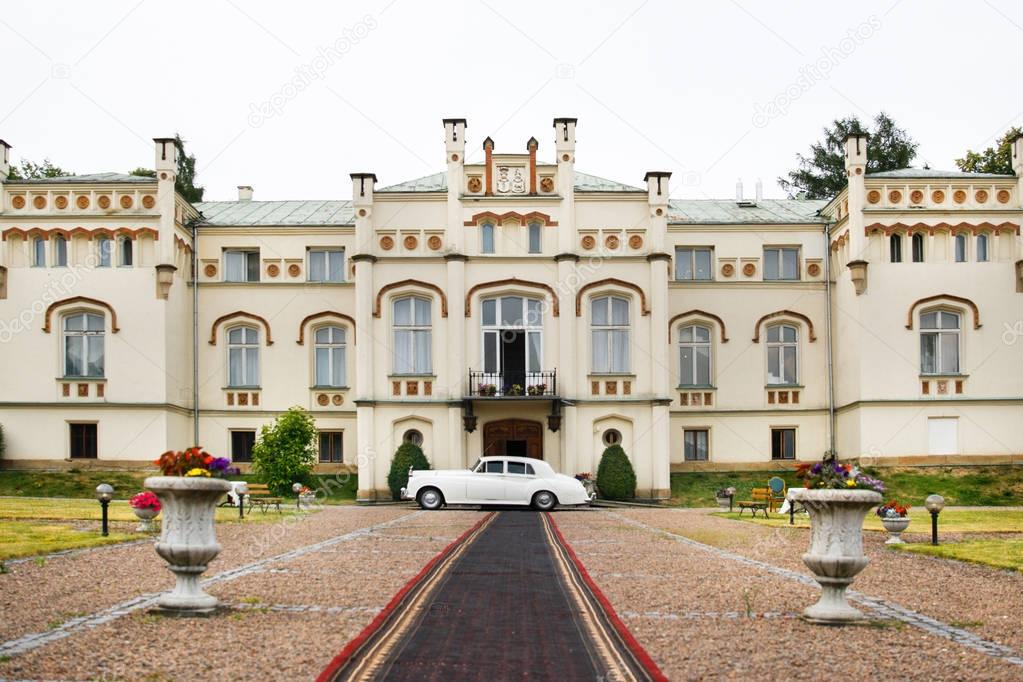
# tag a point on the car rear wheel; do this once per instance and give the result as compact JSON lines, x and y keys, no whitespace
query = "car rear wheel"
{"x":544,"y":500}
{"x":431,"y":499}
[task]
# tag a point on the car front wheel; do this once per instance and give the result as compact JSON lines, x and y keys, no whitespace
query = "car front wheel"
{"x":544,"y":501}
{"x":431,"y":499}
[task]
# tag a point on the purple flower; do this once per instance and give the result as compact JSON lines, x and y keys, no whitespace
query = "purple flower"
{"x":220,"y":465}
{"x":816,"y":469}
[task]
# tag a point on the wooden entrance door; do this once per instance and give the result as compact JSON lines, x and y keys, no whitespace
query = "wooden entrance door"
{"x":513,"y":437}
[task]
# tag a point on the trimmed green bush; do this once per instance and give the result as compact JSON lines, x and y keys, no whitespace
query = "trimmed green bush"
{"x":616,"y":479}
{"x":3,"y":444}
{"x":408,"y":455}
{"x":286,"y":451}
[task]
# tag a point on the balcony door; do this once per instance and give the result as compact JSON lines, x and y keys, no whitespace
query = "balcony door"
{"x":512,"y":343}
{"x":513,"y":438}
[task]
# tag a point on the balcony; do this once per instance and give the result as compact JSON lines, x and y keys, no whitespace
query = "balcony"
{"x":513,"y":385}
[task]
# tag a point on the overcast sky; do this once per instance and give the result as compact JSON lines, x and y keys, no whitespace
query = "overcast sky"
{"x":291,"y":97}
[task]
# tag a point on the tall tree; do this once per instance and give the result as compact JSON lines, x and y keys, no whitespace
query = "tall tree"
{"x":28,"y":170}
{"x":821,"y":173}
{"x":185,"y":183}
{"x":993,"y":159}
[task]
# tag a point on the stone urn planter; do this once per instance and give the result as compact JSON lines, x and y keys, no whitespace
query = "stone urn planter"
{"x":188,"y":540}
{"x":724,"y":503}
{"x":895,"y":525}
{"x":307,"y":501}
{"x":145,"y":517}
{"x":836,"y":548}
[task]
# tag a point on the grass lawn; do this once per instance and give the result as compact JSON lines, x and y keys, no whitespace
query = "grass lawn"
{"x":27,"y":538}
{"x":961,"y":486}
{"x":998,"y":553}
{"x":950,"y":520}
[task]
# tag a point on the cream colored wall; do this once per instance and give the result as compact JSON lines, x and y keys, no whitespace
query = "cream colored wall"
{"x":124,"y":433}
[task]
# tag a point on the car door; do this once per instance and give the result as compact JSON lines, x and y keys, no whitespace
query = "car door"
{"x":518,"y":483}
{"x":487,"y":485}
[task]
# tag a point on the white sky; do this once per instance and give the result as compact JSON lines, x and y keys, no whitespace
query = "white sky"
{"x":656,"y":85}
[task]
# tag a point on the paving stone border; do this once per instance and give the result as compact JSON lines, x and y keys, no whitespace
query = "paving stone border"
{"x":882,"y":607}
{"x":35,"y":640}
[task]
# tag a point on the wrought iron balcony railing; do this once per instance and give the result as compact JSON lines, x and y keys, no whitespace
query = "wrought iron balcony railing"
{"x":513,"y":384}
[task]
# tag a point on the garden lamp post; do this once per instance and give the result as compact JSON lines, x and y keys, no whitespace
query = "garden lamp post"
{"x":241,"y":490}
{"x":104,"y":493}
{"x":297,"y":489}
{"x":934,"y":504}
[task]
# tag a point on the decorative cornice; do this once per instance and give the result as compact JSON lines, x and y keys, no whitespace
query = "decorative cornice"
{"x":501,"y":218}
{"x":240,"y":314}
{"x":973,"y":228}
{"x":412,"y":283}
{"x":323,"y":314}
{"x":699,"y":313}
{"x":658,"y":256}
{"x":783,"y":313}
{"x":513,"y":281}
{"x":456,"y":257}
{"x":574,"y":257}
{"x":944,"y":297}
{"x":360,"y":257}
{"x":610,"y":281}
{"x":80,"y":299}
{"x":76,"y":231}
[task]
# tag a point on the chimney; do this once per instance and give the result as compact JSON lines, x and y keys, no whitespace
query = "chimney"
{"x":488,"y":159}
{"x":244,"y":193}
{"x":856,"y":153}
{"x":454,"y":139}
{"x":166,"y":155}
{"x":5,"y":160}
{"x":564,"y":138}
{"x":738,"y":189}
{"x":760,"y":190}
{"x":531,"y":146}
{"x":1016,"y":144}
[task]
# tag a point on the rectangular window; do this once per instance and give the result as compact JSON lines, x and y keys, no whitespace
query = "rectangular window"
{"x":60,"y":252}
{"x":241,"y":445}
{"x":83,"y":441}
{"x":695,"y":445}
{"x":38,"y":253}
{"x":960,"y":248}
{"x":693,"y":263}
{"x":241,"y":266}
{"x":331,"y":447}
{"x":105,"y":248}
{"x":781,"y":263}
{"x":326,"y":265}
{"x":127,"y":254}
{"x":487,"y":238}
{"x":917,"y":242}
{"x":895,"y":248}
{"x":535,"y":238}
{"x":783,"y":443}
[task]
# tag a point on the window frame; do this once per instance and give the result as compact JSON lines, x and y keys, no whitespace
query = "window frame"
{"x":245,"y":348}
{"x":415,"y":330}
{"x":88,"y":337}
{"x":330,"y":346}
{"x":242,"y":432}
{"x":534,"y":229}
{"x":780,"y":345}
{"x":918,"y":255}
{"x":692,"y":252}
{"x":782,"y":432}
{"x":104,"y":251}
{"x":983,"y":247}
{"x":938,"y":332}
{"x":60,"y":251}
{"x":412,"y":436}
{"x":488,"y":233}
{"x":895,"y":248}
{"x":613,"y":331}
{"x":333,"y":437}
{"x":86,"y":442}
{"x":38,"y":246}
{"x":249,"y":269}
{"x":693,"y":345}
{"x":326,"y":252}
{"x":686,"y":444}
{"x":781,"y":250}
{"x":960,"y":248}
{"x":125,"y":252}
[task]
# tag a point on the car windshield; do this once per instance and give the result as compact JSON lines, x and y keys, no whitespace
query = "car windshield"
{"x":476,"y":466}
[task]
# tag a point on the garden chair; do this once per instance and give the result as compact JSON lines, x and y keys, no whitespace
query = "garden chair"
{"x":778,"y":489}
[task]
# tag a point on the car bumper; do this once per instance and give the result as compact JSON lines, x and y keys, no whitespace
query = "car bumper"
{"x":404,"y":494}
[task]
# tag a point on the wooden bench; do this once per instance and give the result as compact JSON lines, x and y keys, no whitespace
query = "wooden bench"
{"x":760,"y":500}
{"x":259,"y":496}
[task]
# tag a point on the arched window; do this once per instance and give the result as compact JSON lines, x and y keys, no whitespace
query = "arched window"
{"x":60,"y":251}
{"x":939,"y":342}
{"x":918,"y":248}
{"x":126,"y":256}
{"x":105,"y":247}
{"x":330,"y":350}
{"x":84,"y":353}
{"x":609,"y":321}
{"x":895,"y":248}
{"x":612,"y":437}
{"x":243,"y":357}
{"x":981,"y":248}
{"x":413,"y":436}
{"x":960,"y":248}
{"x":412,"y":336}
{"x":782,"y":354}
{"x":535,"y":238}
{"x":38,"y":253}
{"x":487,"y":238}
{"x":694,"y":355}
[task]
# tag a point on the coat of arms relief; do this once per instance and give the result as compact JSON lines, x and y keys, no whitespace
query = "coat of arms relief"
{"x":510,"y":180}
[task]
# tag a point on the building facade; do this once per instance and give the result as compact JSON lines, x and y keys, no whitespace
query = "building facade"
{"x":515,"y":306}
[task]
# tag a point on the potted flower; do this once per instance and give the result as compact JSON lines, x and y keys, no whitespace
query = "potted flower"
{"x":189,"y":489}
{"x":537,"y":389}
{"x":488,"y":390}
{"x":146,"y":506}
{"x":895,"y":519}
{"x":837,"y":496}
{"x":724,"y":498}
{"x":306,"y":497}
{"x":588,"y":483}
{"x":516,"y":389}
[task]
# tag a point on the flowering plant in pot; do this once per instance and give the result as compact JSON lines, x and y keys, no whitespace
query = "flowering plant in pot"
{"x":146,"y":506}
{"x":189,"y":489}
{"x":895,"y":519}
{"x":724,"y":497}
{"x":536,"y":389}
{"x":588,"y":483}
{"x":488,"y":389}
{"x":837,"y":496}
{"x":515,"y":389}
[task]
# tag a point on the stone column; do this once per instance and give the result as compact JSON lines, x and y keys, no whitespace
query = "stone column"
{"x":166,"y":198}
{"x":568,"y":367}
{"x":661,"y":370}
{"x":457,"y":364}
{"x":365,"y":374}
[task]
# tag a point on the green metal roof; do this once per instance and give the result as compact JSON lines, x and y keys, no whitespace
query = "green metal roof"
{"x":765,"y":211}
{"x":91,"y":178}
{"x":273,"y":213}
{"x":438,"y":182}
{"x":922,"y":173}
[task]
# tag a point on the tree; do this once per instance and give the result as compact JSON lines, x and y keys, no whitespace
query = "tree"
{"x":286,"y":451}
{"x":993,"y":159}
{"x":616,"y":479}
{"x":185,"y":182}
{"x":821,"y":174}
{"x":28,"y":170}
{"x":144,"y":172}
{"x":408,"y":455}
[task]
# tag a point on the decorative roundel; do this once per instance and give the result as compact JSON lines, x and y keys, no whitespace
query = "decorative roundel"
{"x":547,"y":184}
{"x":873,"y":196}
{"x":60,"y":202}
{"x":362,"y":213}
{"x":938,"y":196}
{"x":337,"y":399}
{"x":727,"y":270}
{"x":103,"y":201}
{"x":39,"y":202}
{"x":475,"y":184}
{"x":386,"y":243}
{"x":916,"y":196}
{"x":636,"y":242}
{"x":454,"y":157}
{"x":659,"y":212}
{"x":1003,"y":196}
{"x":273,"y":270}
{"x":589,"y":242}
{"x":294,"y":270}
{"x":859,"y":171}
{"x":959,"y":196}
{"x":82,"y":202}
{"x":895,"y":196}
{"x":18,"y":202}
{"x":322,"y":399}
{"x":813,"y":269}
{"x":163,"y":176}
{"x":612,"y":242}
{"x":210,"y":270}
{"x":126,"y":201}
{"x":749,"y":269}
{"x":148,"y":201}
{"x":565,"y":157}
{"x":434,"y":242}
{"x":410,"y":242}
{"x":981,"y":196}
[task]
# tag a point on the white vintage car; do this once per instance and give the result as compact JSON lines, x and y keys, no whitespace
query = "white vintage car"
{"x":495,"y":480}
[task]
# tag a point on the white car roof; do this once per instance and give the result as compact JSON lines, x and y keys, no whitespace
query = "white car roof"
{"x":538,"y":463}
